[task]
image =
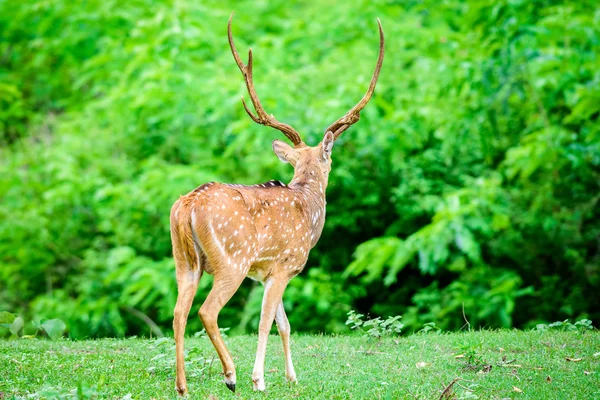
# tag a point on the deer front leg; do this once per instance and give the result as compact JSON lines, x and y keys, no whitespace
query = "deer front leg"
{"x":283,"y":326}
{"x":223,"y":289}
{"x":274,"y":288}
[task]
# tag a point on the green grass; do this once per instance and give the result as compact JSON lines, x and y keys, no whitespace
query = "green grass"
{"x":528,"y":365}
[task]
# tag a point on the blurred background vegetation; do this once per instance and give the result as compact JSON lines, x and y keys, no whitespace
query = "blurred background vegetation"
{"x":472,"y":179}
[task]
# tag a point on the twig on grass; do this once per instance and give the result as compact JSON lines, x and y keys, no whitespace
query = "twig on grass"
{"x":369,"y":352}
{"x":448,"y":390}
{"x":210,"y":365}
{"x":468,"y":324}
{"x":412,"y":394}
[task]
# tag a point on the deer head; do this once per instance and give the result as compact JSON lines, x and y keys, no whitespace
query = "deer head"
{"x":303,"y":158}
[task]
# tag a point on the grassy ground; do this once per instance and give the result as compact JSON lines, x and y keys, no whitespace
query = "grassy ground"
{"x":488,"y":365}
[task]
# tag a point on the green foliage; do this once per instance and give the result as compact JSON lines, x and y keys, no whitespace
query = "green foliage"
{"x":375,"y":327}
{"x":471,"y":352}
{"x":81,"y":392}
{"x":429,"y":327}
{"x":518,"y":209}
{"x":583,"y":325}
{"x":469,"y":189}
{"x":15,"y":327}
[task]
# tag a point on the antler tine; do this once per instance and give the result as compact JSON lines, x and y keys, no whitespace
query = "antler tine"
{"x":352,"y":116}
{"x":262,"y":117}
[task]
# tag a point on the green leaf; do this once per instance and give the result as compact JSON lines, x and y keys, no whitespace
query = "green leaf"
{"x":6,"y":317}
{"x":54,"y":328}
{"x":17,"y":325}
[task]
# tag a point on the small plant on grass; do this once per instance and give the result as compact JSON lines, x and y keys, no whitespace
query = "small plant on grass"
{"x":376,"y":327}
{"x":15,"y":327}
{"x":83,"y":391}
{"x":430,"y":327}
{"x":582,"y":325}
{"x":473,"y":360}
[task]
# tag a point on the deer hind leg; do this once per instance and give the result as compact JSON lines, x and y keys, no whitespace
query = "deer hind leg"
{"x":188,"y":277}
{"x":283,"y":326}
{"x":274,"y":288}
{"x":224,"y":287}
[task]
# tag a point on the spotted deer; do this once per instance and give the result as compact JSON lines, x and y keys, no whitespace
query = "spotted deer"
{"x":262,"y":231}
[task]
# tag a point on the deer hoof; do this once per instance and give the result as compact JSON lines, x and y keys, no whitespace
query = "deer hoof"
{"x":258,"y":384}
{"x":230,"y":386}
{"x":181,"y":390}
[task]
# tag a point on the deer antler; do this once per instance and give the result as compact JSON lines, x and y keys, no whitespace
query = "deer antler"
{"x":352,"y":116}
{"x":262,"y":118}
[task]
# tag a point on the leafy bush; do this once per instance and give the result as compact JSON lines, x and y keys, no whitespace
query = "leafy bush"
{"x":471,"y":180}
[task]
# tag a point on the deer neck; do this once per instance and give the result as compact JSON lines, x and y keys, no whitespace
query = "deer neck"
{"x":310,"y":183}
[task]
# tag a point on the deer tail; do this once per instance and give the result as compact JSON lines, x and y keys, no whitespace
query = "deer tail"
{"x":185,"y":250}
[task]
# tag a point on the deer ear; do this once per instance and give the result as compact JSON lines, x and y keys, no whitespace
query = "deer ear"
{"x":285,"y":152}
{"x":327,"y":145}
